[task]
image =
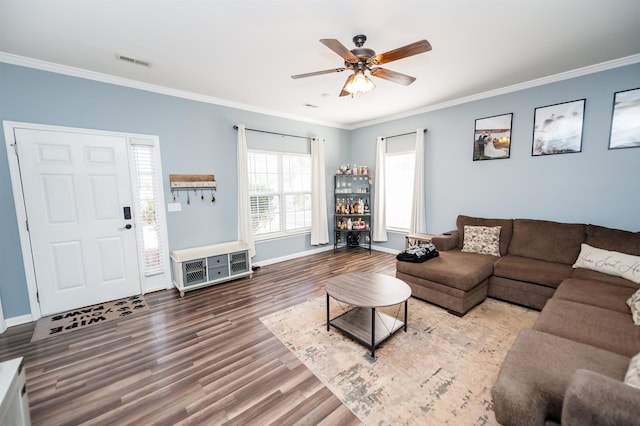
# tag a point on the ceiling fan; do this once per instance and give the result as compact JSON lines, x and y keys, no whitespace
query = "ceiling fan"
{"x":362,"y":59}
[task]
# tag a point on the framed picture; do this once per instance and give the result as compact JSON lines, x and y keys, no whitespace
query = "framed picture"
{"x":492,"y":137}
{"x":557,"y":129}
{"x":625,"y":120}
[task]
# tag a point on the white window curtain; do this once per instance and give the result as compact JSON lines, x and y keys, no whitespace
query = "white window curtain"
{"x":319,"y":225}
{"x":380,"y":200}
{"x":418,"y":208}
{"x":3,"y":324}
{"x":245,"y":233}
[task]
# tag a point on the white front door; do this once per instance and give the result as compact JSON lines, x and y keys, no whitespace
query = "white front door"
{"x":76,"y":189}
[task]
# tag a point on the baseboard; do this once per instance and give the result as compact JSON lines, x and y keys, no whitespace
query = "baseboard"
{"x":292,"y":256}
{"x":385,"y":249}
{"x":22,"y":319}
{"x":158,"y":288}
{"x":315,"y":251}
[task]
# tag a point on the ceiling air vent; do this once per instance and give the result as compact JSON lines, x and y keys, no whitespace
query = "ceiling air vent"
{"x":134,"y":60}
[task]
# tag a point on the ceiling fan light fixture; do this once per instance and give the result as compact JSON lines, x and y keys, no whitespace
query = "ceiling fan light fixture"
{"x":359,"y":84}
{"x":362,"y":59}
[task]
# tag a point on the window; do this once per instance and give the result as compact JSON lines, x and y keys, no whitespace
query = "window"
{"x":147,"y":201}
{"x":280,"y":193}
{"x":399,"y":183}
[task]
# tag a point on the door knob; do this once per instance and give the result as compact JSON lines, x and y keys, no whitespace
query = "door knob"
{"x":127,"y":226}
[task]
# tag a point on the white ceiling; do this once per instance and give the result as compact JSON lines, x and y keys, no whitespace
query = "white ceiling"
{"x":243,"y":52}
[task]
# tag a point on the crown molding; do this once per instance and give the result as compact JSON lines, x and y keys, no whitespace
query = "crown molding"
{"x":135,"y":84}
{"x":591,"y":69}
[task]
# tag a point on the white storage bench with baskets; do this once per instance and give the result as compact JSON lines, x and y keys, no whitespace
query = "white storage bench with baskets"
{"x":203,"y":266}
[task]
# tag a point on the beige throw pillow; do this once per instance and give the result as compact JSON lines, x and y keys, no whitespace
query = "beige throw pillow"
{"x":482,"y":239}
{"x":634,"y":304}
{"x":609,"y":262}
{"x":632,"y":378}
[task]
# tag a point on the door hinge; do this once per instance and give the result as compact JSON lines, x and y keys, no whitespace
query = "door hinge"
{"x":38,"y":297}
{"x":27,"y":223}
{"x":15,"y":147}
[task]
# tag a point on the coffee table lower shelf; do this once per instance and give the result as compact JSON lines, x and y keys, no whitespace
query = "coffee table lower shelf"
{"x":367,"y":326}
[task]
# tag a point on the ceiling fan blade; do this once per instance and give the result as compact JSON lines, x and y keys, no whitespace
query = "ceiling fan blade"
{"x":402,"y":52}
{"x":394,"y":76}
{"x":311,"y":74}
{"x":340,"y":49}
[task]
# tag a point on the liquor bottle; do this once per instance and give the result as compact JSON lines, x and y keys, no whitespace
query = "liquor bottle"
{"x":366,"y":206}
{"x":346,"y":208}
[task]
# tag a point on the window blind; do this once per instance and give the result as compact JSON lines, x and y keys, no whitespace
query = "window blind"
{"x":147,"y":208}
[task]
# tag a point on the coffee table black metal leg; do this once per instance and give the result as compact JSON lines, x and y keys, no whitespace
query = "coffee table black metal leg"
{"x":373,"y":332}
{"x":405,"y":314}
{"x":328,"y":312}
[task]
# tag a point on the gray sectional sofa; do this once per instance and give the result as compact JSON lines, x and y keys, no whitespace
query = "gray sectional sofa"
{"x":570,"y":368}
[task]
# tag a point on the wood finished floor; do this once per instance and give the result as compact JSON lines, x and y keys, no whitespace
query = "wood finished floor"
{"x":202,"y":359}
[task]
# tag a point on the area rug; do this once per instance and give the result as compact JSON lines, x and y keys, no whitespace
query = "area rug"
{"x":85,"y":317}
{"x":439,"y":372}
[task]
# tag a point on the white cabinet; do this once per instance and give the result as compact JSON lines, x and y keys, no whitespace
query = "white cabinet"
{"x":14,"y":402}
{"x":199,"y":267}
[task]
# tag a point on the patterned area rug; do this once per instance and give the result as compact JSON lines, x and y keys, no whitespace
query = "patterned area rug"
{"x":86,"y":317}
{"x":439,"y":372}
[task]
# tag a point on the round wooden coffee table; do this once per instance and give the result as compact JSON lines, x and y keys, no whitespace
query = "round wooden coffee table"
{"x":365,"y":292}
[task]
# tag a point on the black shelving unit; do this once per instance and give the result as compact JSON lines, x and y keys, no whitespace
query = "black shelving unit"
{"x":352,"y":227}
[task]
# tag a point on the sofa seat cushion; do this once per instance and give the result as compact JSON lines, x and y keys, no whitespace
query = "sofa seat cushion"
{"x":592,"y":325}
{"x":536,"y":271}
{"x":595,"y":293}
{"x":456,"y":301}
{"x":452,"y":268}
{"x":536,"y":372}
{"x":523,"y":293}
{"x":587,"y":274}
{"x":546,"y":240}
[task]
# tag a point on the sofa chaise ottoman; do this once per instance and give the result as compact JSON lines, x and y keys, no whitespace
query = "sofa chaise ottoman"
{"x":455,"y":280}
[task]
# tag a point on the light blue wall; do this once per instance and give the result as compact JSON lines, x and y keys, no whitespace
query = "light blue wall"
{"x":195,"y":138}
{"x":597,"y":185}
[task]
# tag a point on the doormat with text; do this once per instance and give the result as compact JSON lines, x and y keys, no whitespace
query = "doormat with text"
{"x":85,"y":317}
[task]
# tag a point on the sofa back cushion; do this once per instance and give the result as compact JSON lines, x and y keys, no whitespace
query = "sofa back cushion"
{"x":613,"y":239}
{"x":506,"y":229}
{"x":546,"y":240}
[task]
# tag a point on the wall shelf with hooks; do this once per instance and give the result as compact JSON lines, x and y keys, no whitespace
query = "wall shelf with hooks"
{"x":192,"y":182}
